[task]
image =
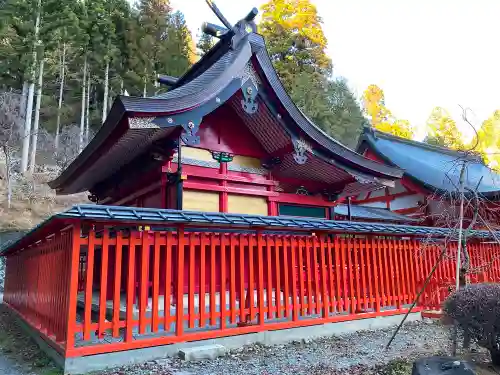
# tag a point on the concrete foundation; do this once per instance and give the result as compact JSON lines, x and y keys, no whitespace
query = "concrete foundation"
{"x":82,"y":365}
{"x":198,"y":353}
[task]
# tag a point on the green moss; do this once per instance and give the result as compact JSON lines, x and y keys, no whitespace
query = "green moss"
{"x":395,"y":367}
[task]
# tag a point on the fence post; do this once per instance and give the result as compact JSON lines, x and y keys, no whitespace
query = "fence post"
{"x":73,"y":287}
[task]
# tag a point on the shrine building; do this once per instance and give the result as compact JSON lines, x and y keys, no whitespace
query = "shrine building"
{"x":222,"y":215}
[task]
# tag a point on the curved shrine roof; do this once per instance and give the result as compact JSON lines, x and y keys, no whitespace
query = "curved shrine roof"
{"x":230,"y":69}
{"x":436,"y":168}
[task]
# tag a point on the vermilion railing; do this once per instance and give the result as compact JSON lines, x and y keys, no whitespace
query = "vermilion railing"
{"x":37,"y":286}
{"x":106,"y":289}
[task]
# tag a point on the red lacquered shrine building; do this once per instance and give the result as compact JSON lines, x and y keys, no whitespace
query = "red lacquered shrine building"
{"x":244,"y":146}
{"x":221,"y":211}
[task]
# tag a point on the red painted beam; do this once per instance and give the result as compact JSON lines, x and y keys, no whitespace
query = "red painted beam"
{"x":215,"y":174}
{"x":301,"y":199}
{"x":228,"y":189}
{"x":385,"y":198}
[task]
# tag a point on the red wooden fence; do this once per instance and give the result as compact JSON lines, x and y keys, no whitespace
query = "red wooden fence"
{"x":111,"y":289}
{"x":37,"y":286}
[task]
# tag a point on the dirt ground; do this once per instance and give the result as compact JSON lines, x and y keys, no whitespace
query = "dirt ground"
{"x":19,"y":355}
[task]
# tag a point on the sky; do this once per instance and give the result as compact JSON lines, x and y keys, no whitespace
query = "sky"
{"x":422,"y":53}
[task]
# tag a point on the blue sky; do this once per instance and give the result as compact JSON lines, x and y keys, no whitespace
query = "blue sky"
{"x":422,"y":53}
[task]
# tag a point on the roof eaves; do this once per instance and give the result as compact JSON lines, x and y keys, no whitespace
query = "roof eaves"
{"x":113,"y":119}
{"x":347,"y":155}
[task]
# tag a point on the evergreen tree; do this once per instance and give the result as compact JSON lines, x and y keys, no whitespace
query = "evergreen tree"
{"x":345,"y":118}
{"x":205,"y":43}
{"x":297,"y":46}
{"x":163,"y":42}
{"x":91,"y":51}
{"x":178,"y":43}
{"x":17,"y":24}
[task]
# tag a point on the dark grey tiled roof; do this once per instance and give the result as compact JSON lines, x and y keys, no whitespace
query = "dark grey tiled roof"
{"x":151,"y":216}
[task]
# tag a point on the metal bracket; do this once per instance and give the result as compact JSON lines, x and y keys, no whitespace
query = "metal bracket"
{"x":302,"y":191}
{"x":250,"y":92}
{"x":300,"y":146}
{"x":329,"y":196}
{"x":190,"y":135}
{"x":222,"y":157}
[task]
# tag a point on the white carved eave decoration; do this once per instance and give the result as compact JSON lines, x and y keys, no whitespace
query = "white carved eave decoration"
{"x":142,"y":123}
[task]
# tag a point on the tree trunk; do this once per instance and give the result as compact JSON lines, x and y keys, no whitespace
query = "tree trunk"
{"x":82,"y":116}
{"x":106,"y":93}
{"x":27,"y":128}
{"x":31,"y":93}
{"x":87,"y":109}
{"x":8,"y":171}
{"x":34,"y":135}
{"x":61,"y":93}
{"x":22,"y":104}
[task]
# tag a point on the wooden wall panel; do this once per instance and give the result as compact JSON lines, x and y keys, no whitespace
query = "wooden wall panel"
{"x":196,"y":153}
{"x":245,"y":161}
{"x":245,"y":204}
{"x":206,"y":201}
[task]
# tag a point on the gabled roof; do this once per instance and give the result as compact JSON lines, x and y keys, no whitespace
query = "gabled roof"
{"x":239,"y":74}
{"x":435,"y":168}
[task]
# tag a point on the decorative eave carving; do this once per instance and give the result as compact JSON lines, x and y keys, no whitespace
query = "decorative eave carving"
{"x":300,"y":147}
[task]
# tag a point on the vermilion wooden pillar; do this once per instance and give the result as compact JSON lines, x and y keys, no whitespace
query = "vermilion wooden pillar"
{"x":223,"y":205}
{"x":272,"y":208}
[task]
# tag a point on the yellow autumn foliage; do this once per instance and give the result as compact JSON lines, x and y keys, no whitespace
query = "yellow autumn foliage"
{"x":442,"y":130}
{"x":488,"y":141}
{"x":381,"y":117}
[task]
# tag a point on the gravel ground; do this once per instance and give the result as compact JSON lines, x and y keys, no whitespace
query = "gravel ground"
{"x":19,"y":355}
{"x":358,"y":353}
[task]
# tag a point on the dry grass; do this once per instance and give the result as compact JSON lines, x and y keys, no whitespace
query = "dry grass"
{"x":32,"y":202}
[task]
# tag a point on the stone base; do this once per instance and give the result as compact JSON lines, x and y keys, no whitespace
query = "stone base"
{"x":197,"y":350}
{"x":198,"y":353}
